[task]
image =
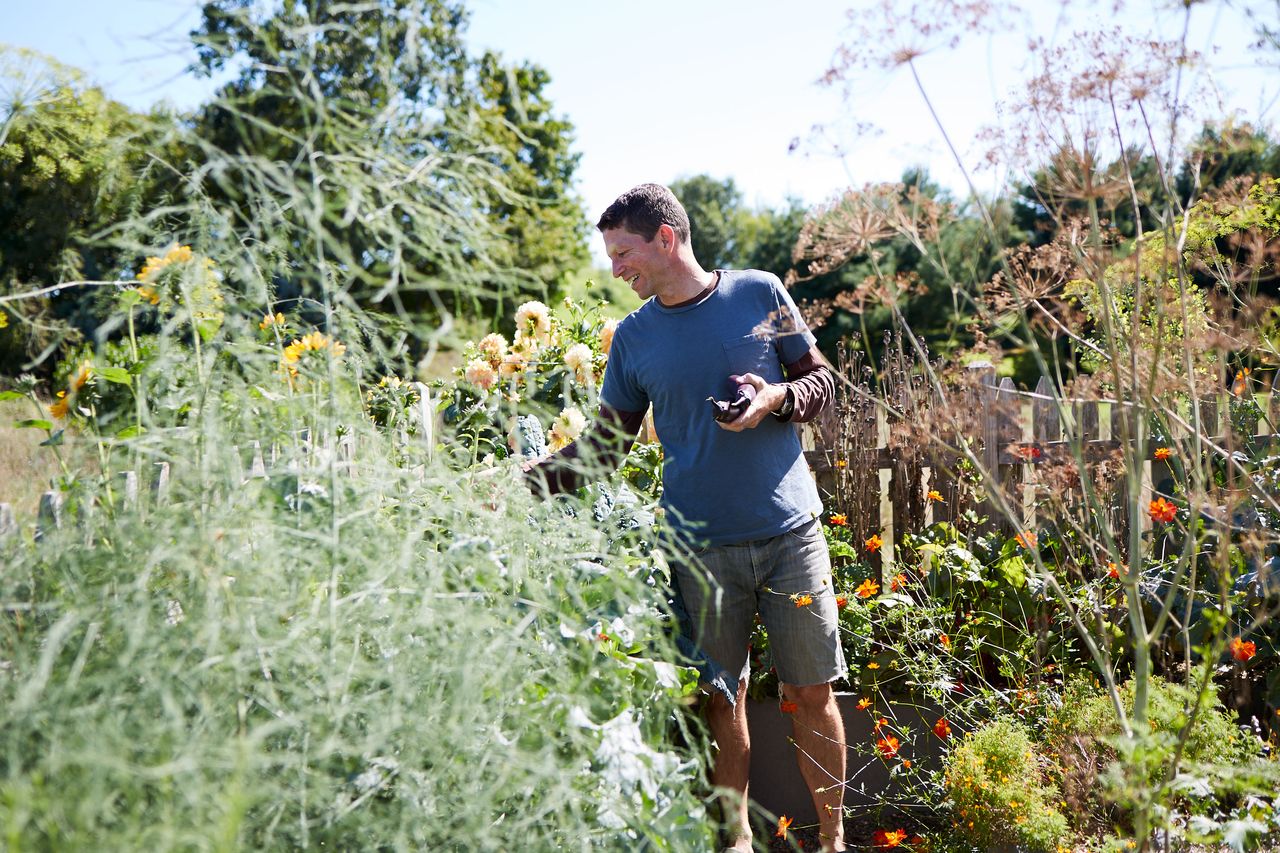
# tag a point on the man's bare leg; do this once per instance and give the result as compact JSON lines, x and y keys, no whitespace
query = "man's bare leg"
{"x":732,"y":768}
{"x":820,"y":749}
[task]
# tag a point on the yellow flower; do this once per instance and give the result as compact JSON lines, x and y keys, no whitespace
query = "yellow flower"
{"x":269,"y":320}
{"x":4,"y":320}
{"x":149,"y":294}
{"x":802,"y":599}
{"x":533,"y":323}
{"x":175,"y":255}
{"x":314,"y":342}
{"x":513,"y":364}
{"x":578,"y":359}
{"x":567,"y":426}
{"x":492,"y":348}
{"x":60,"y":406}
{"x":935,"y":496}
{"x":606,"y":335}
{"x":82,"y":375}
{"x":480,"y":373}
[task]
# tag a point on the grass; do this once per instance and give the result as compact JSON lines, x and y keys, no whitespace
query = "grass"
{"x":25,"y":467}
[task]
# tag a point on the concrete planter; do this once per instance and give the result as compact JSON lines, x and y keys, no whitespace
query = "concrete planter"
{"x":776,"y":784}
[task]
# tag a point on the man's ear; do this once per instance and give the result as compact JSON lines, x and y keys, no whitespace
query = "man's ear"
{"x":666,"y":236}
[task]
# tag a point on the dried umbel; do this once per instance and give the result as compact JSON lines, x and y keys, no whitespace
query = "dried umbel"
{"x":851,"y":225}
{"x":1095,"y":96}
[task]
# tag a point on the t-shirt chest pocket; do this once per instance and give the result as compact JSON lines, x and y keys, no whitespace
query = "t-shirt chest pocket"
{"x":752,"y":355}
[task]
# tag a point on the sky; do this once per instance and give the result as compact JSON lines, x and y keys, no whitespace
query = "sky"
{"x":727,"y":88}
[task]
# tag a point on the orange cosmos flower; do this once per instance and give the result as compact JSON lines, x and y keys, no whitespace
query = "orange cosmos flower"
{"x":1162,"y":453}
{"x":1113,"y":571}
{"x":885,"y":839}
{"x":888,"y":746}
{"x":874,"y":543}
{"x":880,"y":723}
{"x":942,"y":728}
{"x":864,"y":703}
{"x":873,"y":665}
{"x":786,"y":706}
{"x":906,"y":763}
{"x":1161,"y":510}
{"x":867,"y":588}
{"x":934,"y":496}
{"x":1242,"y":650}
{"x":944,"y":641}
{"x":1027,"y":539}
{"x":802,"y":599}
{"x":1029,"y":453}
{"x":842,"y":601}
{"x":898,"y":582}
{"x":1241,"y":385}
{"x":784,"y":823}
{"x":838,"y":519}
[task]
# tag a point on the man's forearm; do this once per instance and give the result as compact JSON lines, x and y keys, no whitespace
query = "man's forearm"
{"x":812,"y":386}
{"x":606,"y":442}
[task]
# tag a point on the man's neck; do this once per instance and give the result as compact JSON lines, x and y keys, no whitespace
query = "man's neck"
{"x":688,"y":288}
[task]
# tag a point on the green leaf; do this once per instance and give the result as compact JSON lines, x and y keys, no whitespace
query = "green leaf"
{"x":1014,"y":571}
{"x":36,"y":423}
{"x":118,"y":375}
{"x":54,"y":440}
{"x":129,"y":298}
{"x":10,"y":395}
{"x":131,"y":431}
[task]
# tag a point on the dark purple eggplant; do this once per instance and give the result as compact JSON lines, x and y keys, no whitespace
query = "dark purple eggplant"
{"x":728,"y":411}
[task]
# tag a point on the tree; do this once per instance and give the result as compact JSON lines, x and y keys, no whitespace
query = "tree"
{"x":717,"y":218}
{"x":72,"y":166}
{"x":460,"y":163}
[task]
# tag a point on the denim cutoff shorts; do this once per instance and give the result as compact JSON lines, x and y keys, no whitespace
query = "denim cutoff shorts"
{"x":725,"y":586}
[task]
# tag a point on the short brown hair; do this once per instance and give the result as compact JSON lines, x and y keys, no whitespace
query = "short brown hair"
{"x":643,"y":209}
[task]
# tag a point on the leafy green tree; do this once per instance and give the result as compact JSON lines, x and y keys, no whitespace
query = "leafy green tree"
{"x":73,"y":164}
{"x":717,"y":217}
{"x":539,"y":216}
{"x":483,"y":208}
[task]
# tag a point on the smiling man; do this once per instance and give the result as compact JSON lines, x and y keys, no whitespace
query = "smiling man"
{"x":740,"y":501}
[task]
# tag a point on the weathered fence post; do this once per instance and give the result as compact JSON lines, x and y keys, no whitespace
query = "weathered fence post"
{"x":426,"y":412}
{"x":257,"y":468}
{"x":160,"y":485}
{"x":50,"y":517}
{"x":128,"y":488}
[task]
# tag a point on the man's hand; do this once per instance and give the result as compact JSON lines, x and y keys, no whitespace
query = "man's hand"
{"x":769,"y":398}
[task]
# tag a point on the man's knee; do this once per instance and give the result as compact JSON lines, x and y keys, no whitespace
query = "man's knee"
{"x":810,"y":697}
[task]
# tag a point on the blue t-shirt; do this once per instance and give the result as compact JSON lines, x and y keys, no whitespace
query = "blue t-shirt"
{"x":719,"y":487}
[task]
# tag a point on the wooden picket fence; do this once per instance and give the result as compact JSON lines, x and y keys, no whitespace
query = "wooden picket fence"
{"x":867,"y":460}
{"x":876,"y":460}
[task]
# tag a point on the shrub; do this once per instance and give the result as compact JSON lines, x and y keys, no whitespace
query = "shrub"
{"x":997,"y":788}
{"x":1083,"y":734}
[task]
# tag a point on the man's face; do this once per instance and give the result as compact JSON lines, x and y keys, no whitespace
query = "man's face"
{"x":638,"y":262}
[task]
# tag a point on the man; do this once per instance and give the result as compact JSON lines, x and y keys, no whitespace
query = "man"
{"x":738,"y":495}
